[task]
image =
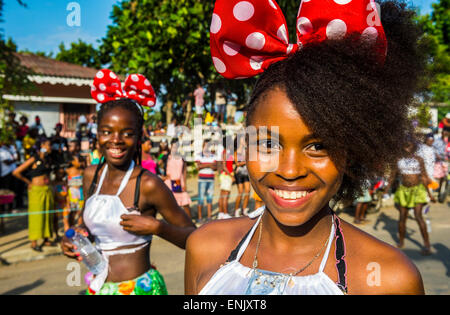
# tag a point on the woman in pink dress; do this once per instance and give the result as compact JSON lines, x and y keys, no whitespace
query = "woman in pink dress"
{"x":176,"y":176}
{"x":147,"y":160}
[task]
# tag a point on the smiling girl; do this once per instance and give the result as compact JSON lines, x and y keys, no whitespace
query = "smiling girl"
{"x":123,"y":198}
{"x":339,"y":104}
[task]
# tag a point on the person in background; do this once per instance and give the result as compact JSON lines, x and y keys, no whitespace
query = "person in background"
{"x":199,"y":95}
{"x":221,"y":102}
{"x":207,"y":166}
{"x":59,"y":185}
{"x":445,"y":123}
{"x":441,"y":163}
{"x":163,"y":154}
{"x":411,"y":193}
{"x":12,"y":123}
{"x":148,"y":162}
{"x":22,"y":131}
{"x":29,"y":143}
{"x":94,"y":156}
{"x":7,"y":166}
{"x":38,"y":125}
{"x":171,"y":128}
{"x":40,"y":195}
{"x":362,"y":203}
{"x":92,"y":127}
{"x":231,"y":108}
{"x":74,"y":147}
{"x":241,"y":177}
{"x":75,"y":195}
{"x":226,"y":177}
{"x":59,"y":145}
{"x":176,"y":177}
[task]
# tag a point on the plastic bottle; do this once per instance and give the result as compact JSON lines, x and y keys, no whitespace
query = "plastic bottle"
{"x":92,"y":258}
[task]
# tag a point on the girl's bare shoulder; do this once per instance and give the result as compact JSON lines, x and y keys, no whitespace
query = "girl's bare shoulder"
{"x":217,"y":239}
{"x":376,"y":267}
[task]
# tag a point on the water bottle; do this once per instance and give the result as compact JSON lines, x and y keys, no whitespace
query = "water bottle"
{"x":92,"y":258}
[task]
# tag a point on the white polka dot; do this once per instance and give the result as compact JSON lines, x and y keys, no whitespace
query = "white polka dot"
{"x":256,"y":62}
{"x":115,"y":84}
{"x":255,"y":41}
{"x":282,"y":34}
{"x":100,"y":75}
{"x":369,"y":35}
{"x":147,"y":82}
{"x":243,"y":11}
{"x":119,"y":92}
{"x":342,"y":1}
{"x":93,"y":88}
{"x":219,"y":65}
{"x":112,"y":75}
{"x":272,"y":4}
{"x":141,"y":97}
{"x":304,"y":26}
{"x":102,"y":87}
{"x":101,"y":97}
{"x":135,"y":78}
{"x":289,"y":49}
{"x":231,"y":48}
{"x":216,"y":24}
{"x":133,"y":87}
{"x":132,"y":92}
{"x":145,"y":91}
{"x":150,"y":103}
{"x":336,"y":29}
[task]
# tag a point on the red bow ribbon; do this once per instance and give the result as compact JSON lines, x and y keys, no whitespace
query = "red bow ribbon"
{"x":248,"y":36}
{"x":107,"y":87}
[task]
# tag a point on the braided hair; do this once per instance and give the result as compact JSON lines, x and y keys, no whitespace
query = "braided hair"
{"x":136,"y":110}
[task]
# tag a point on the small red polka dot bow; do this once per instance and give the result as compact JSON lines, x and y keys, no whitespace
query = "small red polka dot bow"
{"x":107,"y":87}
{"x":248,"y":36}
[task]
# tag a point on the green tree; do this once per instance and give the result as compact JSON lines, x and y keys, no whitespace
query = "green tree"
{"x":436,"y":40}
{"x":80,"y":53}
{"x":13,"y":77}
{"x":168,"y":41}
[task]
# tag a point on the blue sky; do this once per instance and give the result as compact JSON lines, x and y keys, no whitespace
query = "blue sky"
{"x":42,"y":26}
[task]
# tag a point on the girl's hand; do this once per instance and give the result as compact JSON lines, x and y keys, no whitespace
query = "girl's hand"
{"x":140,"y":224}
{"x":69,"y":249}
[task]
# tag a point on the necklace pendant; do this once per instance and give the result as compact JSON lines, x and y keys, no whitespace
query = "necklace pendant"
{"x":291,"y":282}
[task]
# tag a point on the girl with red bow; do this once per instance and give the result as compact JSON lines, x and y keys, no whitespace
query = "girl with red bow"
{"x":123,"y":198}
{"x":338,"y":98}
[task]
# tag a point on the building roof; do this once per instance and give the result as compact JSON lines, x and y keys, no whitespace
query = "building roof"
{"x":50,"y":67}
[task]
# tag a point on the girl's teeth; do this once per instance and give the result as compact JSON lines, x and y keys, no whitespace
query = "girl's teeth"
{"x":291,"y":194}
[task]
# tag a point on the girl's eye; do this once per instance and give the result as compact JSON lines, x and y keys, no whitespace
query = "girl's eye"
{"x":317,"y":148}
{"x":128,"y":134}
{"x":268,"y":145}
{"x":105,"y":133}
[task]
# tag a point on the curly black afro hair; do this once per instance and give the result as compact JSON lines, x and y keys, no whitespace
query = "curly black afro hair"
{"x":356,"y":104}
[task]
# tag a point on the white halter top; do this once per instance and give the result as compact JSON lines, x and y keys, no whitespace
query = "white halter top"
{"x":233,"y":278}
{"x":102,"y":217}
{"x":408,"y":166}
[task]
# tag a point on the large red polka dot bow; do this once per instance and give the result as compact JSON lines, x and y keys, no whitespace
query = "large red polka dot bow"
{"x":248,"y":36}
{"x":107,"y":87}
